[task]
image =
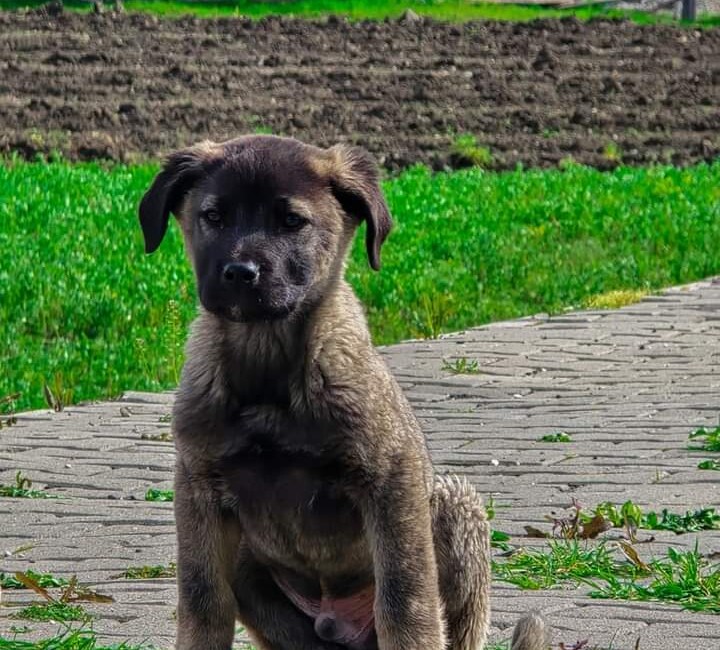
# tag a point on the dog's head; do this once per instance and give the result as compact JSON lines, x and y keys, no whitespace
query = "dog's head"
{"x":266,"y":220}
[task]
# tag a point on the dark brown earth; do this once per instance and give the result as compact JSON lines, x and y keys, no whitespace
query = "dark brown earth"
{"x":131,"y":86}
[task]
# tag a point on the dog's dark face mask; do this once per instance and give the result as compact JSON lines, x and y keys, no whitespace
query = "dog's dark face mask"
{"x":254,"y":239}
{"x":266,"y":220}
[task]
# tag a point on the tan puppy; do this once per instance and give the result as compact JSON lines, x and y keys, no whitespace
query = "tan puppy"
{"x":306,"y":503}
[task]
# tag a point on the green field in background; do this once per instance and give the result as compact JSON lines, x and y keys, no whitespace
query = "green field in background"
{"x":83,"y":309}
{"x":452,"y":10}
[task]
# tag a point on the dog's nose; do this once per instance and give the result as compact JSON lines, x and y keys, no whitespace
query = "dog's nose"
{"x":246,"y":272}
{"x":325,"y":627}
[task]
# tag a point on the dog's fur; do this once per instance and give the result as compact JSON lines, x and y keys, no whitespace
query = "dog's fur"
{"x":305,"y":501}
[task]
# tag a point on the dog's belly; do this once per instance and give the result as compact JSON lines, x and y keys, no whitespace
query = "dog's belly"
{"x":295,"y":514}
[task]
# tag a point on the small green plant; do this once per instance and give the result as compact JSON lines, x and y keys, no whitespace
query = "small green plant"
{"x":52,"y":611}
{"x":57,"y":395}
{"x":710,"y":463}
{"x":630,"y":516}
{"x":62,"y":608}
{"x":500,"y":540}
{"x":149,"y":572}
{"x":559,"y":436}
{"x":7,"y":410}
{"x":612,"y":152}
{"x":461,"y":366}
{"x":66,"y":639}
{"x":21,"y":489}
{"x":563,"y":562}
{"x":710,"y":439}
{"x":683,"y":577}
{"x":467,"y":152}
{"x":44,"y":580}
{"x":154,"y":494}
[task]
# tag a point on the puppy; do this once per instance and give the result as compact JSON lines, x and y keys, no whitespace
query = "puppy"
{"x":305,"y":500}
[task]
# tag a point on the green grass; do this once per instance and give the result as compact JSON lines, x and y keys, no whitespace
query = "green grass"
{"x":559,"y":563}
{"x":21,"y":489}
{"x":709,"y":439}
{"x":66,"y":639}
{"x":681,"y":577}
{"x":453,"y":10}
{"x":631,"y":515}
{"x":45,"y":580}
{"x":153,"y":494}
{"x":83,"y":310}
{"x":52,"y":611}
{"x":149,"y":572}
{"x":461,"y":366}
{"x":559,"y":436}
{"x":469,"y":153}
{"x":710,"y":463}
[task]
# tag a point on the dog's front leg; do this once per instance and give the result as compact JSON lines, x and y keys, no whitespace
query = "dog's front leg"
{"x":408,"y":610}
{"x":206,"y":605}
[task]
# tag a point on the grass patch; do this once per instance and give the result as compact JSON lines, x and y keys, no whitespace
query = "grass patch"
{"x":45,"y":580}
{"x":153,"y":494}
{"x":469,"y":247}
{"x":615,"y":299}
{"x":67,"y":639}
{"x":631,"y":516}
{"x":467,"y":152}
{"x":149,"y":572}
{"x":560,"y":563}
{"x":559,"y":436}
{"x":52,"y":611}
{"x":682,"y":577}
{"x":710,"y":463}
{"x":453,"y":10}
{"x":461,"y":366}
{"x":709,"y":439}
{"x":21,"y":489}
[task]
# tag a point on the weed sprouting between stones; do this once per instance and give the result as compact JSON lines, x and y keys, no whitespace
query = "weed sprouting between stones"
{"x":681,"y":577}
{"x":21,"y":489}
{"x":559,"y":436}
{"x":461,"y":366}
{"x":52,"y":611}
{"x":149,"y":572}
{"x":67,"y":638}
{"x":709,"y":441}
{"x":60,"y":608}
{"x":155,"y":494}
{"x":45,"y":580}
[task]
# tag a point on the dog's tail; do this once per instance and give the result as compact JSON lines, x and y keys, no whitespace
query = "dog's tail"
{"x":531,"y":633}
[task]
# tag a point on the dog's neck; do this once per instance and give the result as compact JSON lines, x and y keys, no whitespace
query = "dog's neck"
{"x":264,"y":356}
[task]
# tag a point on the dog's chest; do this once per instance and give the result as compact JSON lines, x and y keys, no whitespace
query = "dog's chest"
{"x":290,"y":502}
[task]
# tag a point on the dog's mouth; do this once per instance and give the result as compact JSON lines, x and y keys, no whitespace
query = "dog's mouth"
{"x":238,"y":314}
{"x":272,"y":302}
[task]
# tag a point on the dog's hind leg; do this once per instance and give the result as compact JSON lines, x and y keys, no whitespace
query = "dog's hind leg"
{"x":462,"y":548}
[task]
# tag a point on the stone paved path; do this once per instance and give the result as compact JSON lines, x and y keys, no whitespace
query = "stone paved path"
{"x":628,"y":385}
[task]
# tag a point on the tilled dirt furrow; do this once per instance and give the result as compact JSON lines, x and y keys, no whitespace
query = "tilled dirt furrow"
{"x":130,"y":86}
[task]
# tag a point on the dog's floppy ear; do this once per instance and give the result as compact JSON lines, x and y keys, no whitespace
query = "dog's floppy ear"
{"x":181,"y":171}
{"x":355,"y":183}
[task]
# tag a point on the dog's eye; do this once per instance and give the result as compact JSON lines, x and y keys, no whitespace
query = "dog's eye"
{"x":213,"y":216}
{"x":294,"y":221}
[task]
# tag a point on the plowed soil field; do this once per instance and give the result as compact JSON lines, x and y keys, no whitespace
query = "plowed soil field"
{"x":127,"y":87}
